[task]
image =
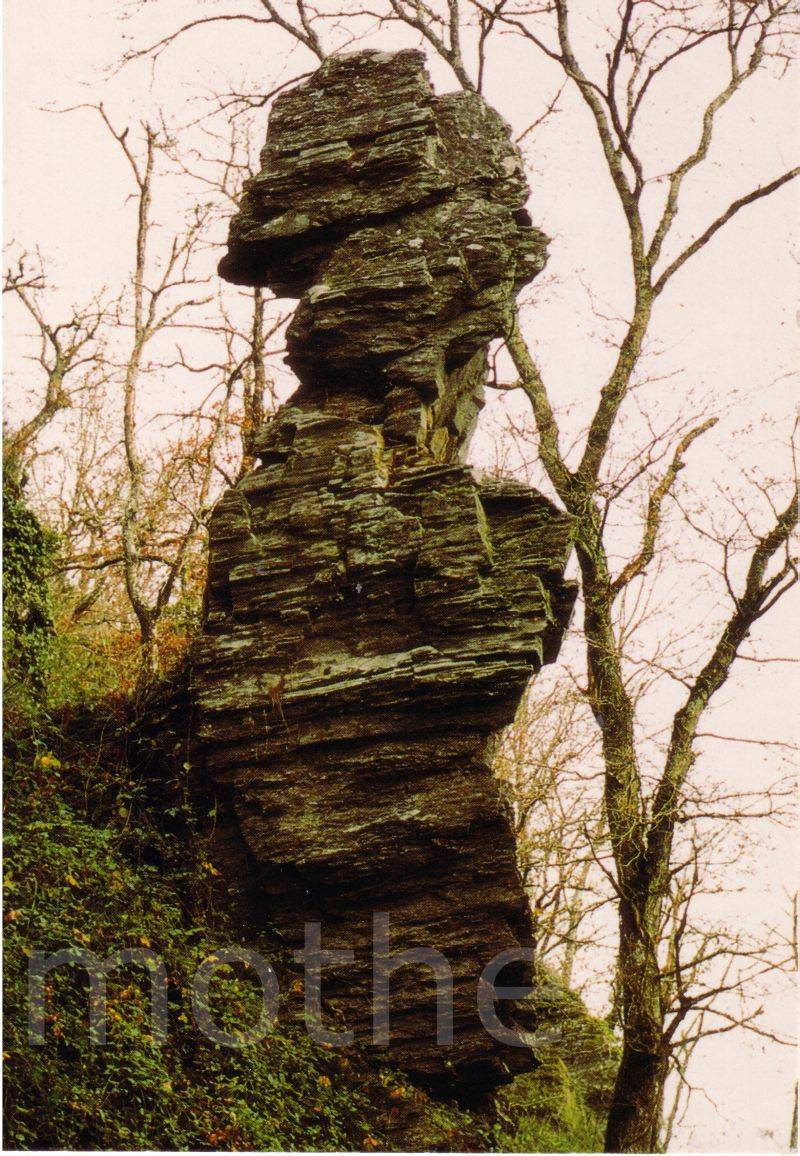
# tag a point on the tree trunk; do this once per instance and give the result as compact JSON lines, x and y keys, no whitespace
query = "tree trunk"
{"x":149,"y":666}
{"x":634,"y":1121}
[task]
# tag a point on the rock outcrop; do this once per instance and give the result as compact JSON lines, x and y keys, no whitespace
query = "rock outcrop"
{"x":374,"y":613}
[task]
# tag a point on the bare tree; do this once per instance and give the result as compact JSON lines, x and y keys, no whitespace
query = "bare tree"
{"x":712,"y":971}
{"x":641,"y":817}
{"x":164,"y":502}
{"x":67,"y":353}
{"x":647,"y":785}
{"x":548,"y":761}
{"x":221,"y":163}
{"x":127,"y":480}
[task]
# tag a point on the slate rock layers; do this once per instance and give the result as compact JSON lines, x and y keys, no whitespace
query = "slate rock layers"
{"x":373,"y":612}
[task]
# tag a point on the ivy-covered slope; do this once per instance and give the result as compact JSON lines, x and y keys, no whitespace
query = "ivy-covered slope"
{"x":89,"y":865}
{"x":94,"y":862}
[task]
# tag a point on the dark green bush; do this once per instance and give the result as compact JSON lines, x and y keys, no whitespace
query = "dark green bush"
{"x":28,"y":552}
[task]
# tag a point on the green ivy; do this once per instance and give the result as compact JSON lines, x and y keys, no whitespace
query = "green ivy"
{"x":28,"y":552}
{"x":92,"y":862}
{"x":87,"y":865}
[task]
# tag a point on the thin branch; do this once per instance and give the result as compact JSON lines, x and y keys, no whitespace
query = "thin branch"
{"x":715,"y":226}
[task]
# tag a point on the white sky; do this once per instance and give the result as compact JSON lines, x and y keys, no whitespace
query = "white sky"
{"x":727,"y":326}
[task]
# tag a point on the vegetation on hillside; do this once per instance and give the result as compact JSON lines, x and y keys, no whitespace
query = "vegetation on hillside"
{"x":93,"y":864}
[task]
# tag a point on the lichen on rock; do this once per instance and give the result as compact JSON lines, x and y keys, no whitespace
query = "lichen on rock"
{"x":374,"y":613}
{"x":398,"y":217}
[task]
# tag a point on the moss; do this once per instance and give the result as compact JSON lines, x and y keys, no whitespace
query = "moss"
{"x":484,"y":529}
{"x":545,"y":1111}
{"x":584,"y":1042}
{"x":562,"y":1106}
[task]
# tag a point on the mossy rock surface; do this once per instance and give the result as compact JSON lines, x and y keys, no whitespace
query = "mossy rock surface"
{"x":562,"y":1106}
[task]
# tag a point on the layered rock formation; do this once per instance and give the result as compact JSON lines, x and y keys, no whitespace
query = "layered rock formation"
{"x":373,"y":612}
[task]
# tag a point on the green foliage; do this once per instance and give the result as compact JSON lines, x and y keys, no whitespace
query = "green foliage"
{"x":562,"y":1106}
{"x":87,"y":865}
{"x":28,"y":551}
{"x":90,"y":865}
{"x":93,"y":863}
{"x":93,"y":667}
{"x":546,"y":1112}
